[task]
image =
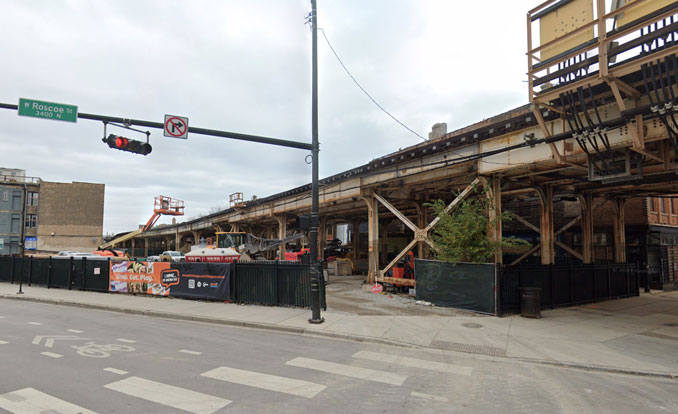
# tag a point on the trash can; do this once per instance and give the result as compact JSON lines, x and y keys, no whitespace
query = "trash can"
{"x":530,"y":302}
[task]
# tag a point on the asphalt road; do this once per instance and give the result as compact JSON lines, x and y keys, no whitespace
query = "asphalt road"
{"x":60,"y":359}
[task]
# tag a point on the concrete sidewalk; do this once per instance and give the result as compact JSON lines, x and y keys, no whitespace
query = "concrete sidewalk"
{"x":637,"y":335}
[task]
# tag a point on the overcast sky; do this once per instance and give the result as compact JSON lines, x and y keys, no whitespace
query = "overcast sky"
{"x":245,"y":66}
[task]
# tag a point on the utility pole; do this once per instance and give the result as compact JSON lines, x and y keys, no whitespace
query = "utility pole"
{"x":313,"y":230}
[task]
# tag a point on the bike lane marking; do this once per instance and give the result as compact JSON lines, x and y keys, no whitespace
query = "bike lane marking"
{"x":116,"y":371}
{"x":34,"y":323}
{"x":186,"y":351}
{"x":74,"y":331}
{"x":51,"y":354}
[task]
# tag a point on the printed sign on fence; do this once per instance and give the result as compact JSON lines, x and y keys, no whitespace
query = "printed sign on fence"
{"x":187,"y":280}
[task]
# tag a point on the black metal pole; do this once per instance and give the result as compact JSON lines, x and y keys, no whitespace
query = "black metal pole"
{"x":313,"y":230}
{"x":21,"y":275}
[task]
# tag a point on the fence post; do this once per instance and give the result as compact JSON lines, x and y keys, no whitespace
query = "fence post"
{"x":70,"y":272}
{"x":233,"y":279}
{"x":593,"y":282}
{"x":84,"y":272}
{"x":497,"y":289}
{"x":638,"y":279}
{"x":11,"y":278}
{"x":49,"y":271}
{"x":275,"y":283}
{"x":30,"y":269}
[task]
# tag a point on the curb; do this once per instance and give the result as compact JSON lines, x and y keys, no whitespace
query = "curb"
{"x":332,"y":335}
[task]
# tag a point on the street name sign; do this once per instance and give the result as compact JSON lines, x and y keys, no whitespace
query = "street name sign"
{"x":48,"y":110}
{"x":176,"y":127}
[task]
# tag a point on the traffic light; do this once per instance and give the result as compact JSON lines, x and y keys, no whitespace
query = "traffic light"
{"x":129,"y":145}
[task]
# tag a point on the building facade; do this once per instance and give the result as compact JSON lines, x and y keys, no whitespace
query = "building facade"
{"x":42,"y":217}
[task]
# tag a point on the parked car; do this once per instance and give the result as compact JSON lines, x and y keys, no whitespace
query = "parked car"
{"x":153,"y":259}
{"x":172,"y":256}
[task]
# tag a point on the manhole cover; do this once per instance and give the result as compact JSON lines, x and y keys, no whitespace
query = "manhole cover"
{"x":471,"y":325}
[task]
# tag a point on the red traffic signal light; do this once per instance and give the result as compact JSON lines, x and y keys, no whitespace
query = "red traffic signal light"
{"x":129,"y":145}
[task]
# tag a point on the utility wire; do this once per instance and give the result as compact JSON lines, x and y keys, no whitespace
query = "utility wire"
{"x":363,"y":89}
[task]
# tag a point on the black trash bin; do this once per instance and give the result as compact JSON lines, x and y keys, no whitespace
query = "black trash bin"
{"x":530,"y":302}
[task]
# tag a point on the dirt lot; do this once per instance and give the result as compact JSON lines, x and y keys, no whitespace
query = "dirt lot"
{"x":345,"y":294}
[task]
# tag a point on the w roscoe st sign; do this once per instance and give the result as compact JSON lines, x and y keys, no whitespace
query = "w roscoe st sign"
{"x":47,"y":110}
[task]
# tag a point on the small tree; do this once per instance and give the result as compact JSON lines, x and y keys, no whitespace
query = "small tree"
{"x":461,"y":234}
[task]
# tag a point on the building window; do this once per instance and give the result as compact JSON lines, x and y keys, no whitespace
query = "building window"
{"x":652,"y":206}
{"x":5,"y":196}
{"x":32,"y":198}
{"x":31,"y":221}
{"x":662,"y":205}
{"x":672,"y":203}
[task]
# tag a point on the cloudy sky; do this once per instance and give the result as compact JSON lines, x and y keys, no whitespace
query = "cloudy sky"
{"x":245,"y":66}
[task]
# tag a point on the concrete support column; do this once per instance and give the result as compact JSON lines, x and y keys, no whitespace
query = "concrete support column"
{"x":546,"y":225}
{"x":145,"y":246}
{"x":132,"y":247}
{"x":586,"y":205}
{"x":196,"y":237}
{"x":373,"y":238}
{"x":177,"y":240}
{"x":494,"y":231}
{"x":282,"y":233}
{"x":618,"y":228}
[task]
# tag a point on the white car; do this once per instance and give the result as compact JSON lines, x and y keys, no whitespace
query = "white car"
{"x":153,"y":259}
{"x":172,"y":256}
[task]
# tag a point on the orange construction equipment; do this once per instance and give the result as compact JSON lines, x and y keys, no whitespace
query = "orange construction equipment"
{"x":167,"y":206}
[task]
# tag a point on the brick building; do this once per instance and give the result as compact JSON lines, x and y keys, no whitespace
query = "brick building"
{"x":46,"y":217}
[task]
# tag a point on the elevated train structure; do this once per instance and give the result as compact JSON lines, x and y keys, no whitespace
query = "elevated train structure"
{"x":600,"y":128}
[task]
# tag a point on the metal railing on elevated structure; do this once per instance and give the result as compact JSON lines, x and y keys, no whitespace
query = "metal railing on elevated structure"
{"x":14,"y":179}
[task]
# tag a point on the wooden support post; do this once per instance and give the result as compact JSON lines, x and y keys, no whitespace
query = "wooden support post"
{"x":586,"y":204}
{"x":282,"y":233}
{"x":132,"y":254}
{"x":383,"y":240}
{"x":618,"y":231}
{"x":421,"y":222}
{"x":494,"y":231}
{"x":168,"y":242}
{"x":145,"y":246}
{"x":546,"y":225}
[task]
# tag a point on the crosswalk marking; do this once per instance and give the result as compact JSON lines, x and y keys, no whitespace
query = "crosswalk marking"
{"x":3,"y":342}
{"x":266,"y":381}
{"x":116,"y":371}
{"x":34,"y":323}
{"x":169,"y":395}
{"x":348,"y":370}
{"x":428,"y":396}
{"x":51,"y":354}
{"x":32,"y":401}
{"x":186,"y":351}
{"x":74,"y":331}
{"x":414,"y":362}
{"x":129,"y":341}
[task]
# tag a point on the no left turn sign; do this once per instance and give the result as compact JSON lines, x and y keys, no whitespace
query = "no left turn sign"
{"x":176,"y":127}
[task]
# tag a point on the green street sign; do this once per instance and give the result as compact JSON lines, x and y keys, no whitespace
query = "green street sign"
{"x":48,"y":110}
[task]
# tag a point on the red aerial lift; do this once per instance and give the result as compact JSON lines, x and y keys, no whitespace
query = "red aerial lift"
{"x":167,"y":206}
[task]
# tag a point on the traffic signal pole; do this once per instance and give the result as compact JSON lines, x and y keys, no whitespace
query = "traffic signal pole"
{"x":315,"y":272}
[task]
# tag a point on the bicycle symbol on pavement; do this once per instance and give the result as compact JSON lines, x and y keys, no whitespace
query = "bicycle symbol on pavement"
{"x":93,"y":350}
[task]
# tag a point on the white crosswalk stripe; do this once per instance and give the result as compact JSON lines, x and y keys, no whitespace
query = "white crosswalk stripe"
{"x":3,"y":342}
{"x":414,"y":362}
{"x":348,"y":370}
{"x":116,"y":371}
{"x":428,"y":396}
{"x":186,"y":351}
{"x":51,"y":354}
{"x":169,"y":395}
{"x":128,"y":341}
{"x":266,"y":381}
{"x":32,"y":401}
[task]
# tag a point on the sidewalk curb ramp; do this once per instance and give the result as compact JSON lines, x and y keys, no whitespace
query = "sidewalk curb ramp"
{"x":332,"y":335}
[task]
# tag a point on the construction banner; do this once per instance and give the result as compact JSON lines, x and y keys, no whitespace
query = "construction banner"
{"x":185,"y":280}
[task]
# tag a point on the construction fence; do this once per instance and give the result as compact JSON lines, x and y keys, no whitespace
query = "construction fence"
{"x":274,"y":283}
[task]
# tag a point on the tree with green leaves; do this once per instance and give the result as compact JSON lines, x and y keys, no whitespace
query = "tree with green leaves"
{"x":461,"y":234}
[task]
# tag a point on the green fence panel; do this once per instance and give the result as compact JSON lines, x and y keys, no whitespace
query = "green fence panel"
{"x":96,"y":274}
{"x":39,"y":268}
{"x":60,"y":270}
{"x":463,"y":285}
